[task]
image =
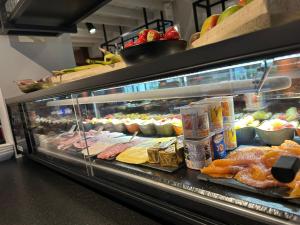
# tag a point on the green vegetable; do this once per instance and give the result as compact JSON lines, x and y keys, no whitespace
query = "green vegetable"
{"x":261,"y":115}
{"x":291,"y":114}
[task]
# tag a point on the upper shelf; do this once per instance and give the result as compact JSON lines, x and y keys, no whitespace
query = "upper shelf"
{"x":44,"y":17}
{"x":253,"y":46}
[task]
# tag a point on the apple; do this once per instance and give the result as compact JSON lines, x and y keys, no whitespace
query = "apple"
{"x":153,"y":35}
{"x":244,"y":2}
{"x":143,"y":33}
{"x":209,"y":23}
{"x":228,"y":12}
{"x":129,"y":44}
{"x":140,"y":40}
{"x":172,"y":34}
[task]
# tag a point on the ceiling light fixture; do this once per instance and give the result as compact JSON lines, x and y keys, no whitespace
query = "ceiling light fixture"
{"x":91,"y":28}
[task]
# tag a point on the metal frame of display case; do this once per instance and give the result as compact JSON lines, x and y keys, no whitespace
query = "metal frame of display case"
{"x":208,"y":7}
{"x":176,"y":202}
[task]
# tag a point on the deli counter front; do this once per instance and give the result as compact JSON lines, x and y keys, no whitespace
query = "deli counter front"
{"x":218,"y":145}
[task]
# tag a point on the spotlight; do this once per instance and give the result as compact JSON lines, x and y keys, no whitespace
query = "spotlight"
{"x":91,"y":28}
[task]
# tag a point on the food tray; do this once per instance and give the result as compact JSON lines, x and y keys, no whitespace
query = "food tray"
{"x":148,"y":165}
{"x":274,"y":192}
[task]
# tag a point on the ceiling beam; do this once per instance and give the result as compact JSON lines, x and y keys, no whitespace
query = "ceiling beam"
{"x":99,"y":33}
{"x":153,"y":4}
{"x":87,"y":40}
{"x":110,"y":20}
{"x":116,"y":11}
{"x":108,"y":28}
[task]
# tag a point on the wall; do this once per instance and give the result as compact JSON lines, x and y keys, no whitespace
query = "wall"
{"x":31,"y":58}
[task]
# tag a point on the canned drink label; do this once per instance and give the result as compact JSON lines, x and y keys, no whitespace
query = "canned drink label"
{"x":230,"y":138}
{"x":216,"y":116}
{"x":219,"y":147}
{"x":197,"y":153}
{"x":195,"y":123}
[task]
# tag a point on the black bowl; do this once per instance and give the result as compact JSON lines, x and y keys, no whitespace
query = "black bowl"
{"x":152,"y":50}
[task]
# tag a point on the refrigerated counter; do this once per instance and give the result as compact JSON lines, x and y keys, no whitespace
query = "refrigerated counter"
{"x":99,"y":130}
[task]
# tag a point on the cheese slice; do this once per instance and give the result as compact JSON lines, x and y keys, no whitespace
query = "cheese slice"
{"x":138,"y":154}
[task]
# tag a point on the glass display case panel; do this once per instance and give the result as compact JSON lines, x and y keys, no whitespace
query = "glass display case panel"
{"x":169,"y":129}
{"x":56,"y":132}
{"x":16,"y":118}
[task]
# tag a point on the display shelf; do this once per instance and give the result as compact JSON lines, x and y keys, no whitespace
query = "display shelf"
{"x":185,"y":183}
{"x":253,"y":46}
{"x":61,"y":155}
{"x":221,"y":88}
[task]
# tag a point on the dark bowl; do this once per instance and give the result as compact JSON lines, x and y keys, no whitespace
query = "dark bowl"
{"x":151,"y":50}
{"x":245,"y":135}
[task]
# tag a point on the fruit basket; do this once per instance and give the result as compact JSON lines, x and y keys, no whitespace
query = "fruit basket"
{"x":151,"y":44}
{"x":152,"y":50}
{"x":27,"y":86}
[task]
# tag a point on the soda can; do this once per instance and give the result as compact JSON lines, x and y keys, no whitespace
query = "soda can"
{"x":218,"y":145}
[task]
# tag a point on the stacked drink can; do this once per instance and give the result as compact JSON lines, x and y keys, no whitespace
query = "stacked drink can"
{"x":208,"y":127}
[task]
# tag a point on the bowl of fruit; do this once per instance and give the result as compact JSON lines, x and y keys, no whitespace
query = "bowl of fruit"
{"x":151,"y":44}
{"x":276,"y":131}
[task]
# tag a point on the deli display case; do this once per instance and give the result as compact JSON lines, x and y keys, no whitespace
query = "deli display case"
{"x":192,"y":145}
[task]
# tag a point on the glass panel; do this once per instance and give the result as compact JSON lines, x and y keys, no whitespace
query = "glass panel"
{"x":56,"y":133}
{"x":133,"y":127}
{"x":15,"y":113}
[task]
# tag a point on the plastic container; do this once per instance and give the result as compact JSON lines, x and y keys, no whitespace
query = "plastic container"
{"x":230,"y":136}
{"x":147,"y":128}
{"x":245,"y":135}
{"x":195,"y":122}
{"x":254,"y":101}
{"x":119,"y":127}
{"x":276,"y":137}
{"x":132,"y":127}
{"x":164,"y":129}
{"x":197,"y":153}
{"x":227,"y":109}
{"x":218,"y":145}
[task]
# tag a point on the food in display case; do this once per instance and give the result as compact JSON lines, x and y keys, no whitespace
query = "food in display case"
{"x":185,"y":137}
{"x":138,"y":154}
{"x":195,"y":122}
{"x":198,"y":153}
{"x":252,"y":166}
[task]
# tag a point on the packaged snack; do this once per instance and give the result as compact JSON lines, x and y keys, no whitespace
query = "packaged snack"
{"x":195,"y":122}
{"x":197,"y":153}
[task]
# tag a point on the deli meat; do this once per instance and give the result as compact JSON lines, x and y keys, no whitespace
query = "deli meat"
{"x":82,"y":144}
{"x":116,"y":149}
